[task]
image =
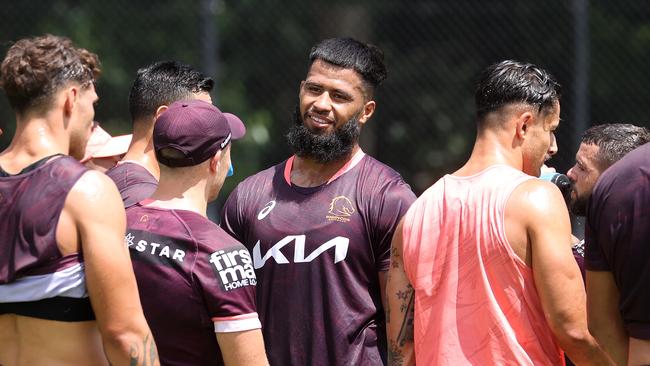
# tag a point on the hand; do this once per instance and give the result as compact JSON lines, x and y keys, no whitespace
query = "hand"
{"x":547,"y":169}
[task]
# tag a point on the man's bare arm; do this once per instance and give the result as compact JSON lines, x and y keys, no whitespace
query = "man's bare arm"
{"x":400,"y":298}
{"x":243,"y":348}
{"x":540,"y":206}
{"x":604,"y":317}
{"x":96,"y":208}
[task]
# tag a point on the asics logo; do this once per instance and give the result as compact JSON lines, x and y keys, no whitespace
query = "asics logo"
{"x":266,"y":210}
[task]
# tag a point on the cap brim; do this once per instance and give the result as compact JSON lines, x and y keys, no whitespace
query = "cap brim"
{"x":98,"y":138}
{"x":237,"y":127}
{"x":117,"y":145}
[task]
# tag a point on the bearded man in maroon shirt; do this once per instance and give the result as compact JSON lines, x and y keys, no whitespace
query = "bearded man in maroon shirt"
{"x":319,"y":224}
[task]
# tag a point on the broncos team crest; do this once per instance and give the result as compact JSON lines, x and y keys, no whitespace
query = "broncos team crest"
{"x":341,"y":209}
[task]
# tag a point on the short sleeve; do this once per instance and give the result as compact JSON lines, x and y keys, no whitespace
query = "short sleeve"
{"x":393,"y":203}
{"x":133,"y":181}
{"x":227,"y":281}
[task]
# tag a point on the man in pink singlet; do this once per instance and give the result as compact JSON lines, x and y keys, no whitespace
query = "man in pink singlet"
{"x":481,"y":263}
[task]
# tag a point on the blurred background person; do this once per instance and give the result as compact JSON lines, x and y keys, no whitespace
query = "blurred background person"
{"x":103,"y":151}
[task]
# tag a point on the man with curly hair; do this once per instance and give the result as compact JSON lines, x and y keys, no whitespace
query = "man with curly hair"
{"x":68,"y":295}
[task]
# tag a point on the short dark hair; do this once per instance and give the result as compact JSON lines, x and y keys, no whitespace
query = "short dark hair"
{"x":509,"y":82}
{"x":163,"y":83}
{"x":615,"y":140}
{"x":348,"y":53}
{"x":36,"y":68}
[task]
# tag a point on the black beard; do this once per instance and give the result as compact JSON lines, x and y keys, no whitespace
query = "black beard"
{"x":578,"y":206}
{"x":323,"y":148}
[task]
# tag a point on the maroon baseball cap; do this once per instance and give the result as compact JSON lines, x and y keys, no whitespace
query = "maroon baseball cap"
{"x":196,"y":130}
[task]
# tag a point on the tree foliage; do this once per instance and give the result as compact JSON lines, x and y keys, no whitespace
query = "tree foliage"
{"x":424,"y":125}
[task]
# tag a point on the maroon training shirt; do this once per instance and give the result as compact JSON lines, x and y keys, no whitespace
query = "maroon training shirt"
{"x":617,"y":236}
{"x":134,"y":182}
{"x":194,"y":280}
{"x":317,"y":254}
{"x":35,"y":279}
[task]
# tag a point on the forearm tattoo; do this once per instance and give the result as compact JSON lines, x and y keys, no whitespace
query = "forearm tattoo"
{"x":408,"y":309}
{"x":395,"y":357}
{"x":145,"y":354}
{"x":404,"y":306}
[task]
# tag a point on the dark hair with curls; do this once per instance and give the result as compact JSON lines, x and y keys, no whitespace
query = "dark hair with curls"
{"x":348,"y":53}
{"x":163,"y":83}
{"x":36,"y":68}
{"x":615,"y":140}
{"x":509,"y":82}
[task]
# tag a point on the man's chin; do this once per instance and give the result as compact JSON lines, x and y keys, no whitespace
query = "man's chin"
{"x":577,"y":208}
{"x":320,"y":130}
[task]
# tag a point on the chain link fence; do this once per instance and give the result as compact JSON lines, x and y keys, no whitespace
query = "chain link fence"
{"x":424,"y":125}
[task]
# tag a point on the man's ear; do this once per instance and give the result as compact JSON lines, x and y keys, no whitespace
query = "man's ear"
{"x":215,"y":162}
{"x":70,"y":99}
{"x":160,"y":111}
{"x":302,"y":84}
{"x":368,"y":111}
{"x":523,"y":123}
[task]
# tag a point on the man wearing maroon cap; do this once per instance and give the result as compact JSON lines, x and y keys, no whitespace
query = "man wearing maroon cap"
{"x":194,"y":279}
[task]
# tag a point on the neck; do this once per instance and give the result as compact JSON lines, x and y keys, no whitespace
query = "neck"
{"x":181,"y":194}
{"x":310,"y":173}
{"x":34,"y":139}
{"x":491,"y":149}
{"x":141,"y":149}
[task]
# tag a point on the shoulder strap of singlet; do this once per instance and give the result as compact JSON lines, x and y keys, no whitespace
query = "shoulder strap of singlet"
{"x":30,"y":167}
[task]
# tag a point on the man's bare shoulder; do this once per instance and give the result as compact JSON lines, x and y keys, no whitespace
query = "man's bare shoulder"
{"x":94,"y":191}
{"x":536,"y":218}
{"x":536,"y":198}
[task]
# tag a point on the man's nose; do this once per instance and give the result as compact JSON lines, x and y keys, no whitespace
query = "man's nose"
{"x":323,"y":102}
{"x":552,"y":149}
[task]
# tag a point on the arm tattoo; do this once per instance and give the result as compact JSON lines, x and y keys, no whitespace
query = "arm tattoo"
{"x":407,"y":304}
{"x":145,"y":354}
{"x":394,"y":255}
{"x":395,"y":354}
{"x":399,"y":350}
{"x":407,"y":307}
{"x":395,"y":357}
